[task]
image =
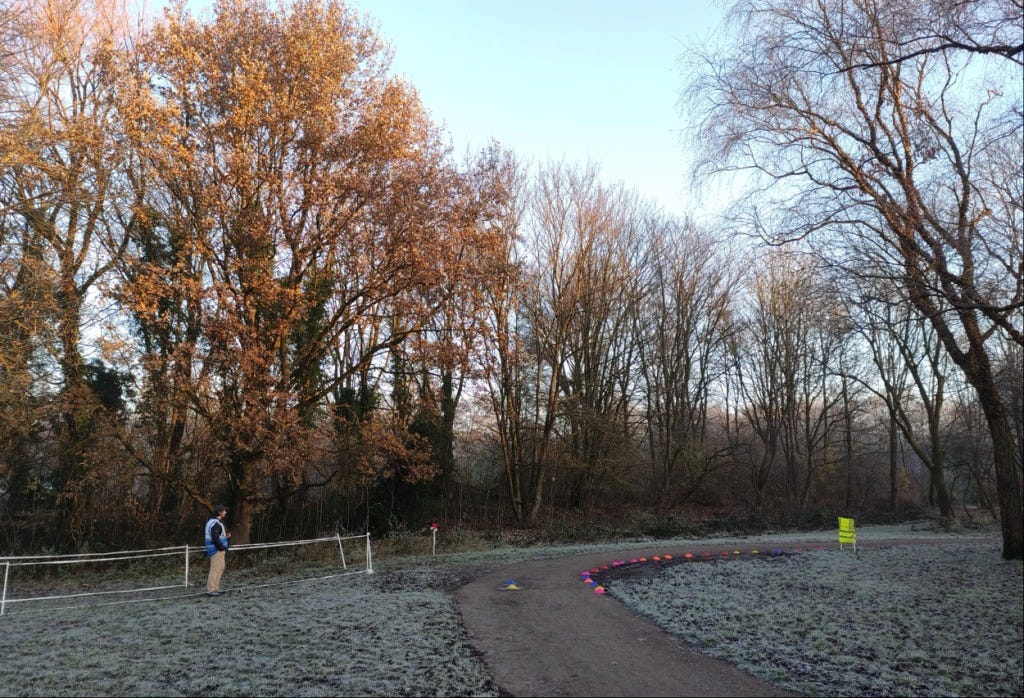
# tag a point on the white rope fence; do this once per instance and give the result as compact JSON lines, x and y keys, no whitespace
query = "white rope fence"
{"x":16,"y":561}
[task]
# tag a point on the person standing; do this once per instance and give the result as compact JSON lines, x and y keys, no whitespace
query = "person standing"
{"x":216,"y":548}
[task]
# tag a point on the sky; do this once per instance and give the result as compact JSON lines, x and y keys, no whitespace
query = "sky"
{"x":584,"y":81}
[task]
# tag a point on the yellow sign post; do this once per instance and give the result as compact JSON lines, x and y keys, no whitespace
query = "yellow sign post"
{"x":847,"y":533}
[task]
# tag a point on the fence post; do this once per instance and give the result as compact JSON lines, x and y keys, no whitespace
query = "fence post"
{"x":186,"y":565}
{"x":341,"y":550}
{"x":369,"y":555}
{"x":3,"y":599}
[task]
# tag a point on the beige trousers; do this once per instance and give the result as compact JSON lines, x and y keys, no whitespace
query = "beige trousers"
{"x":216,"y":570}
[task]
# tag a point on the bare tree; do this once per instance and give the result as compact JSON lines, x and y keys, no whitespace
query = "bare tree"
{"x":503,"y":358}
{"x":913,"y":370}
{"x":893,"y":163}
{"x":939,"y":26}
{"x":682,"y":327}
{"x":582,"y":251}
{"x":786,"y":367}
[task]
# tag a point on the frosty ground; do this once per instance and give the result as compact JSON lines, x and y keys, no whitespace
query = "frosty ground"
{"x":937,"y":620}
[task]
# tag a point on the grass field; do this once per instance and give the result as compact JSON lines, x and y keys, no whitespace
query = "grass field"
{"x":921,"y":621}
{"x":937,"y":621}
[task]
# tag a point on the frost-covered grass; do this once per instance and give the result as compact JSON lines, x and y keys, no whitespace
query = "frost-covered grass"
{"x":906,"y":621}
{"x":353,"y":635}
{"x":397,"y":632}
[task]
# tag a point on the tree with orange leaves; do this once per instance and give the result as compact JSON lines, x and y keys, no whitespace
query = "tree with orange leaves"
{"x":62,"y":213}
{"x":298,"y":201}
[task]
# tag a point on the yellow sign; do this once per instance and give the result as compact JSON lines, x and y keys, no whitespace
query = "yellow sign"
{"x":847,"y":533}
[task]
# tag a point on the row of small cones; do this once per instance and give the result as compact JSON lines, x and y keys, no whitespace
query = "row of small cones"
{"x":587,"y":575}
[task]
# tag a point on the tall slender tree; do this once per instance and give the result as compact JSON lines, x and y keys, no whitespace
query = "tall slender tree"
{"x":682,"y":328}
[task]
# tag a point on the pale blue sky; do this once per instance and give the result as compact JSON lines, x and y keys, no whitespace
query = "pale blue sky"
{"x":580,"y":80}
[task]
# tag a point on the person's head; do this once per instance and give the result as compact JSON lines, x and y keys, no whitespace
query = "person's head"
{"x":219,"y":511}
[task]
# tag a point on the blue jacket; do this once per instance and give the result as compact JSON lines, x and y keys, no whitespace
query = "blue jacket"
{"x":216,"y":537}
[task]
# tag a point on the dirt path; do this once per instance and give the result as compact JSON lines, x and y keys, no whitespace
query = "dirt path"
{"x":555,"y":637}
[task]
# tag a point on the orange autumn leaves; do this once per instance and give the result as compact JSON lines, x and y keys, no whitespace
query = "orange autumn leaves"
{"x":301,"y":218}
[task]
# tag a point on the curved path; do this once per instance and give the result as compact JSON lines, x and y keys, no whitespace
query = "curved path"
{"x":555,"y":637}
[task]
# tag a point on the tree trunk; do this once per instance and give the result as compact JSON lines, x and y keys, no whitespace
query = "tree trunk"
{"x":1008,"y":484}
{"x":892,"y":462}
{"x":241,"y":520}
{"x":978,"y":369}
{"x":943,"y":500}
{"x":241,"y":507}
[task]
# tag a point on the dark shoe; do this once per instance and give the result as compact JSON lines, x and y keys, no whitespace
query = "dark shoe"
{"x":214,"y":593}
